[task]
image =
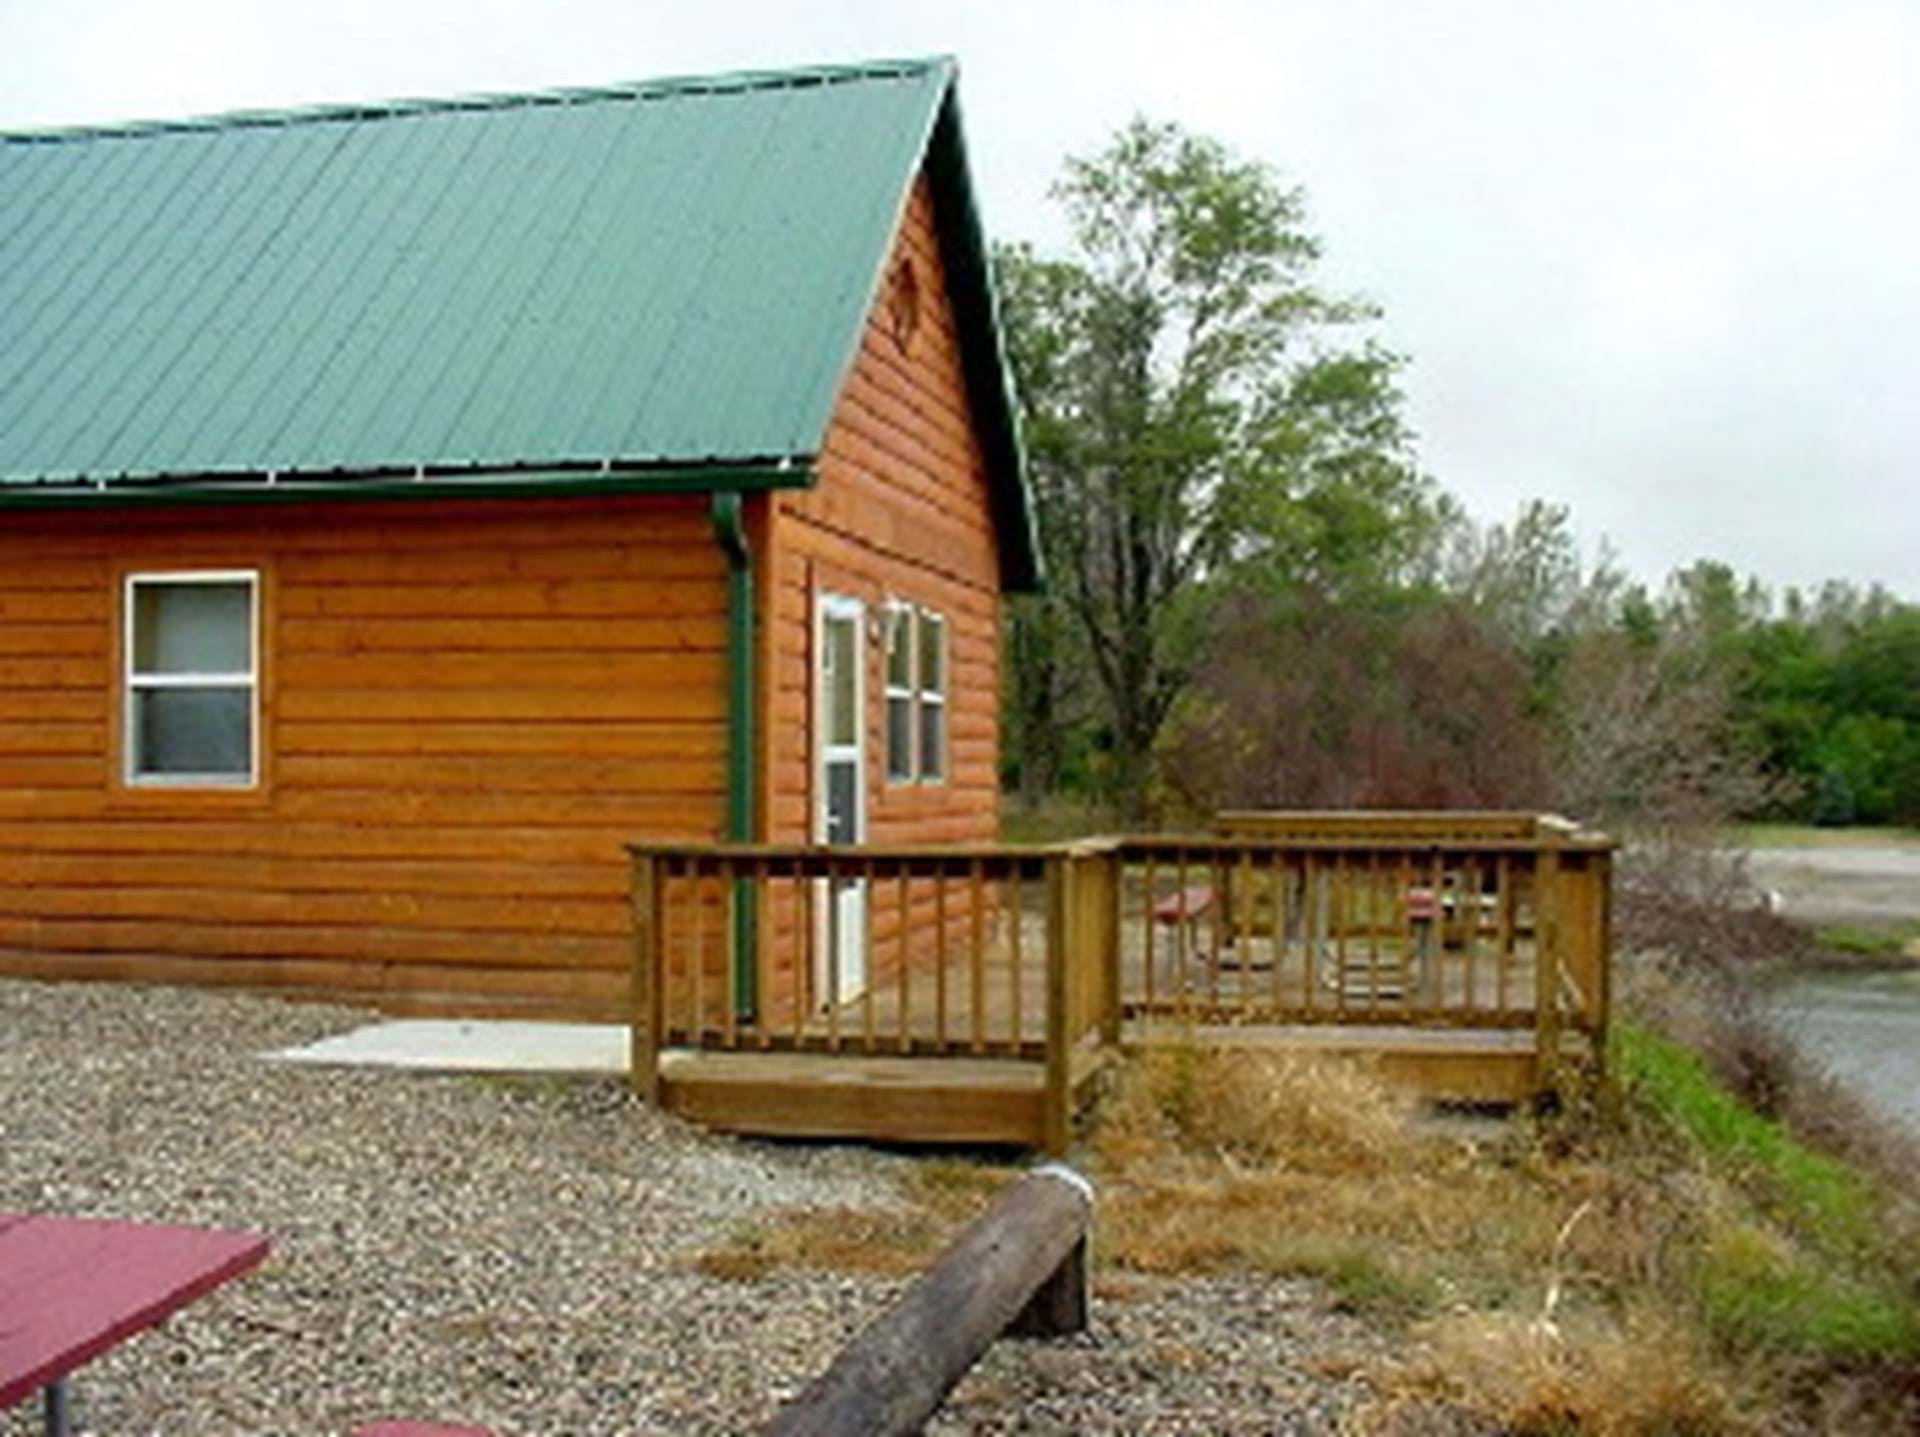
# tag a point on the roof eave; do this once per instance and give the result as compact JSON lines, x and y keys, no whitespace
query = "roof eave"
{"x":607,"y":478}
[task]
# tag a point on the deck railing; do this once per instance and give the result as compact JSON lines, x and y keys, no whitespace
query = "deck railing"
{"x":970,"y":952}
{"x":1041,"y":953}
{"x":1302,"y":928}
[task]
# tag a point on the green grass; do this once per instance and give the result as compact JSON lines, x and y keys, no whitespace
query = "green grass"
{"x":1896,"y":940}
{"x":1806,"y":835}
{"x":1814,"y":1268}
{"x":1827,"y":1202}
{"x":1759,"y":1294}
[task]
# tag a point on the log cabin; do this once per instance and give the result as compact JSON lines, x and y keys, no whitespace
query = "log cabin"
{"x":404,"y":506}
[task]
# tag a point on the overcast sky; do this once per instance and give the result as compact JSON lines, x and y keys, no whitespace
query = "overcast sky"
{"x":1659,"y":262}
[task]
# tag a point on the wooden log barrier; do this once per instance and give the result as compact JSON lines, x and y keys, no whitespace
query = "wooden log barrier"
{"x":1020,"y":1268}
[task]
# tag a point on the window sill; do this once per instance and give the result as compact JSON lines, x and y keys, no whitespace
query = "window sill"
{"x":186,"y":798}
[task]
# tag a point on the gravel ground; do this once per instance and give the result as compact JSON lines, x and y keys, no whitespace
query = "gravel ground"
{"x":514,"y":1251}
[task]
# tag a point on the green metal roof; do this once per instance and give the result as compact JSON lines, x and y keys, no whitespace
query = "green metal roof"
{"x":658,"y":282}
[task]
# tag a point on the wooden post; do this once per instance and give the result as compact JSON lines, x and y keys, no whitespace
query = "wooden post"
{"x":1111,"y":864}
{"x":1057,"y":1115}
{"x":1021,"y":1267}
{"x":643,"y":1045}
{"x":1548,"y":932}
{"x":1603,"y":940}
{"x":1580,"y":934}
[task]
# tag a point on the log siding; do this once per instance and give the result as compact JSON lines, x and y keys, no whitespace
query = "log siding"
{"x":466,"y":709}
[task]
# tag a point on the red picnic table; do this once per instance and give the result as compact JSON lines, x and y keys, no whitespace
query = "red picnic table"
{"x":71,"y":1288}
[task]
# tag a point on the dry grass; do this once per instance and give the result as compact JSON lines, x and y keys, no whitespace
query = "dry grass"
{"x":1642,"y":1374}
{"x":1186,"y":1106}
{"x":939,"y":1198}
{"x":1623,"y":1269}
{"x":1593,"y":1275}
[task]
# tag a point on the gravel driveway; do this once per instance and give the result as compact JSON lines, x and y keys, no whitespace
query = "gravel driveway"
{"x":514,"y":1251}
{"x":1842,"y":883}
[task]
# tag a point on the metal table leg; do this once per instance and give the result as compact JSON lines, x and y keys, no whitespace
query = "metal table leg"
{"x":59,"y":1409}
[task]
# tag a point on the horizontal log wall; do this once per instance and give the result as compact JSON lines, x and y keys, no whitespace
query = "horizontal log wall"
{"x":467,"y":708}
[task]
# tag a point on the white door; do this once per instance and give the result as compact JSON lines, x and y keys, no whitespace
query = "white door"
{"x":841,"y":815}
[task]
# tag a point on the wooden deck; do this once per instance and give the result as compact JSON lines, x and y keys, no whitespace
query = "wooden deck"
{"x":996,"y":1015}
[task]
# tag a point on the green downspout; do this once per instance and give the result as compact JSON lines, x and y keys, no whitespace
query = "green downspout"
{"x":730,"y":532}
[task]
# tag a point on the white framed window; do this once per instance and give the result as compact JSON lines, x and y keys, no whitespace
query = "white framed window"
{"x":192,"y":647}
{"x":916,"y":694}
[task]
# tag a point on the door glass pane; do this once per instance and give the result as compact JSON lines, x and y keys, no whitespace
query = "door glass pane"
{"x":842,"y":675}
{"x":842,"y":793}
{"x":203,"y":732}
{"x":192,"y":628}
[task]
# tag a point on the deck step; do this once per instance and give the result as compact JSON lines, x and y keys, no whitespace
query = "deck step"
{"x":825,"y":1095}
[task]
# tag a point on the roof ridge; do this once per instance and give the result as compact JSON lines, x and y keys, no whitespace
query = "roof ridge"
{"x":664,"y":87}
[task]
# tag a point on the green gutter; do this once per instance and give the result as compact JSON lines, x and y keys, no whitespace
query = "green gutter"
{"x":573,"y":482}
{"x":731,"y":535}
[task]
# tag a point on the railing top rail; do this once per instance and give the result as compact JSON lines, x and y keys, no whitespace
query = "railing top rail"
{"x":1399,"y":823}
{"x":1132,"y":847}
{"x":877,"y":852}
{"x":1577,"y":842}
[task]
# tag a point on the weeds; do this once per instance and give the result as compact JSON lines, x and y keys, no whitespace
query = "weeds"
{"x":1668,"y":1261}
{"x":1627,"y":1270}
{"x":1889,"y":943}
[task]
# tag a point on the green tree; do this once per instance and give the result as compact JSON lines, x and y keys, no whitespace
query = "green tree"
{"x":1191,"y":425}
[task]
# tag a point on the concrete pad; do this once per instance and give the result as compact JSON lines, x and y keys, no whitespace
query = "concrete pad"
{"x":472,"y":1046}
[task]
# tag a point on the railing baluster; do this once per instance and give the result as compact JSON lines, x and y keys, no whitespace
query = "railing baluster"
{"x":1343,"y":920}
{"x":729,"y":967}
{"x":1503,"y":876}
{"x":1016,"y":978}
{"x":760,"y":894}
{"x":1470,"y":929}
{"x":940,"y":958}
{"x":1182,"y":939}
{"x":699,"y":953}
{"x":1277,"y":875}
{"x":1373,"y":930}
{"x":1413,"y":973}
{"x":1244,"y":924}
{"x":801,"y":967}
{"x":670,"y":999}
{"x":869,"y":954}
{"x":976,"y":953}
{"x":1309,"y":946}
{"x":834,"y":939}
{"x":904,"y":973}
{"x":1216,"y":925}
{"x":1149,"y":901}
